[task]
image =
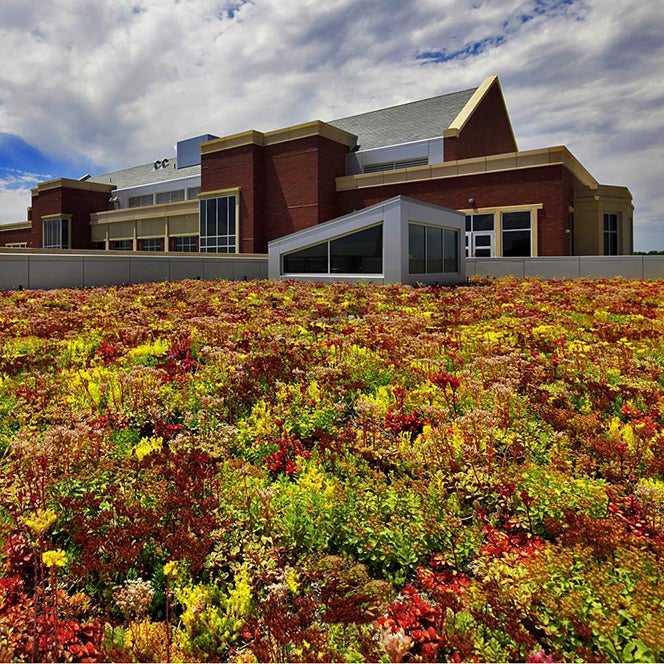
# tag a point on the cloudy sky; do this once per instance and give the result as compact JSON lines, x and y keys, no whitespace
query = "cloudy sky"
{"x":88,"y":86}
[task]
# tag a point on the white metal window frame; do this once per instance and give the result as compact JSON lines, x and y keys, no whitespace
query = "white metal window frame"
{"x":53,"y":234}
{"x":497,"y":245}
{"x":222,"y":243}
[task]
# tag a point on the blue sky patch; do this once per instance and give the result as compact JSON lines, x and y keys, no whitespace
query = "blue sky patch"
{"x":508,"y":28}
{"x":21,"y":164}
{"x":469,"y":50}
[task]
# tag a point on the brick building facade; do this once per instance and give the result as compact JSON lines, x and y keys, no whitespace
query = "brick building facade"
{"x":242,"y":191}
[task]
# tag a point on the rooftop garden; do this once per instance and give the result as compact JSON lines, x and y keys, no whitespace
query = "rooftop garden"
{"x":280,"y":471}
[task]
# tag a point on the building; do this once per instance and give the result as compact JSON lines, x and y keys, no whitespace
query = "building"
{"x":398,"y":241}
{"x":236,"y":194}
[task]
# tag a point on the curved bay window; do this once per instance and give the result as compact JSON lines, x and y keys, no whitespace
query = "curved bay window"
{"x":355,"y":253}
{"x":218,"y":224}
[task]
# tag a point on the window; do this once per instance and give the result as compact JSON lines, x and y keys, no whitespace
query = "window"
{"x":122,"y":245}
{"x":516,"y":233}
{"x":480,"y":235}
{"x":393,"y":165}
{"x":170,"y":196}
{"x":185,"y":243}
{"x":611,"y":234}
{"x":152,"y":244}
{"x":218,"y":225}
{"x":307,"y":261}
{"x":193,"y":192}
{"x":56,"y":233}
{"x":140,"y":201}
{"x":17,"y":245}
{"x":356,"y":253}
{"x":432,"y":249}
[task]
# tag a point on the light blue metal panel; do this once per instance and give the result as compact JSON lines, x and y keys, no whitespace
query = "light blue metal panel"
{"x":189,"y":150}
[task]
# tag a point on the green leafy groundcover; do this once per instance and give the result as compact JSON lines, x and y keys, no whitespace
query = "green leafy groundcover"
{"x":278,"y":471}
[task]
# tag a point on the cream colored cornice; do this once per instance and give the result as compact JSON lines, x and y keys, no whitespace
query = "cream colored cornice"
{"x":253,"y":137}
{"x":454,"y":130}
{"x":232,"y":191}
{"x":502,"y":208}
{"x":57,"y":216}
{"x":16,"y":226}
{"x":509,"y":161}
{"x":148,"y":212}
{"x":66,"y":183}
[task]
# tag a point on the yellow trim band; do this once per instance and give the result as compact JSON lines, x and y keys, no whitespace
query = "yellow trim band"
{"x":509,"y":161}
{"x":253,"y":137}
{"x":233,"y":191}
{"x":57,"y":216}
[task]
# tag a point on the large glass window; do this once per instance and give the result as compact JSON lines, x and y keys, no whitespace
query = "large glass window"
{"x":432,"y":249}
{"x":450,"y":250}
{"x":56,"y":233}
{"x":516,"y":233}
{"x":307,"y":261}
{"x":610,"y":234}
{"x":356,"y":253}
{"x":122,"y":245}
{"x":218,"y":225}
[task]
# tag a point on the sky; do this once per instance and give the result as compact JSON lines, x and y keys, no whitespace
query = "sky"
{"x":90,"y":86}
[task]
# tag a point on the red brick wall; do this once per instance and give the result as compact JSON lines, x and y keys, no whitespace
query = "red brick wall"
{"x":80,"y":203}
{"x":285,"y":187}
{"x":239,"y":167}
{"x":71,"y":201}
{"x":14,"y":236}
{"x":488,"y":131}
{"x":551,"y":186}
{"x":300,"y":183}
{"x":36,"y":233}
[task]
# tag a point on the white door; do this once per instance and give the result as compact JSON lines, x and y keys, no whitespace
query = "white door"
{"x":480,"y":244}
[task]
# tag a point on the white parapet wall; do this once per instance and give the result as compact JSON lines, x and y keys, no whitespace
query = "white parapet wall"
{"x":568,"y":267}
{"x":43,"y":269}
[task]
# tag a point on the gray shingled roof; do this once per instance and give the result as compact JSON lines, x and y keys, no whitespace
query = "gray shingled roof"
{"x":414,"y":121}
{"x":145,"y":174}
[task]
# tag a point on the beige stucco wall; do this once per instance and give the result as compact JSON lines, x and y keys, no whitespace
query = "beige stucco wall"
{"x":590,"y":205}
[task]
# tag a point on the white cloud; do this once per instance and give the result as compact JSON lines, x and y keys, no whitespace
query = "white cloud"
{"x":15,"y":193}
{"x":117,"y":82}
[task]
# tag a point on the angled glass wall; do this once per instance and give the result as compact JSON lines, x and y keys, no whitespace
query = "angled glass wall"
{"x":355,"y":253}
